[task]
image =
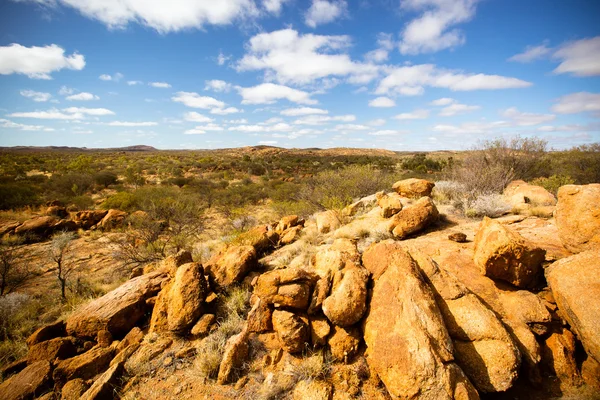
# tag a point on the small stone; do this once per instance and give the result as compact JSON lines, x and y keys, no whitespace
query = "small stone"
{"x":458,"y":237}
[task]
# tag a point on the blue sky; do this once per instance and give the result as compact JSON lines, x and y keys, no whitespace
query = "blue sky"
{"x":395,"y":74}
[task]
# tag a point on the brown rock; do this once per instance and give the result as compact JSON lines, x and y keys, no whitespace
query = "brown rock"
{"x":503,"y":254}
{"x":380,"y":255}
{"x":133,"y":337}
{"x":117,"y":311}
{"x":578,"y":216}
{"x":112,"y":219}
{"x":575,"y":283}
{"x":56,"y":211}
{"x":202,"y":327}
{"x":175,"y":261}
{"x":259,"y":316}
{"x":51,"y":349}
{"x":140,"y":361}
{"x":363,"y":205}
{"x":327,"y":221}
{"x":87,"y":219}
{"x":104,"y":386}
{"x":232,"y":265}
{"x":84,"y":366}
{"x":347,"y":302}
{"x":234,"y":356}
{"x":13,"y":368}
{"x":526,"y":307}
{"x":413,"y":218}
{"x":413,"y":188}
{"x":344,"y":343}
{"x":558,"y":358}
{"x":313,"y":390}
{"x":125,"y":354}
{"x":186,"y":295}
{"x":39,"y":226}
{"x":289,"y":287}
{"x":262,"y":238}
{"x":292,"y":330}
{"x":290,"y":235}
{"x":74,"y":389}
{"x":319,"y":330}
{"x":407,"y":342}
{"x":47,"y":332}
{"x":390,"y":204}
{"x":286,"y":222}
{"x":27,"y":384}
{"x":104,"y":338}
{"x":458,"y":237}
{"x":320,"y":293}
{"x":522,"y":196}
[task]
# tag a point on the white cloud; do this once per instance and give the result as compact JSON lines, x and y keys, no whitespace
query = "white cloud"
{"x":444,"y":101}
{"x":411,"y":80}
{"x":470,"y":128}
{"x":289,"y":57}
{"x":433,"y":30}
{"x":351,"y":127}
{"x":532,"y":53}
{"x":5,"y":123}
{"x":196,"y":117}
{"x":209,"y":127}
{"x":385,"y":43}
{"x":268,"y":142}
{"x":279,"y":127}
{"x":115,"y":77}
{"x":237,"y":121}
{"x":269,"y":93}
{"x":526,"y":119}
{"x":50,"y":114}
{"x":162,"y":16}
{"x":130,"y":124}
{"x":133,"y":83}
{"x":89,"y":111}
{"x":387,"y":132}
{"x":83,"y":96}
{"x":36,"y":96}
{"x":579,"y":58}
{"x":222,"y":58}
{"x":382,"y":102}
{"x":217,"y":85}
{"x":577,"y":103}
{"x":273,"y":6}
{"x":161,"y":85}
{"x":569,"y":128}
{"x":417,"y":114}
{"x":194,"y":131}
{"x":225,"y":111}
{"x":376,"y":122}
{"x":299,"y":111}
{"x":105,"y":77}
{"x":65,"y":91}
{"x":322,"y":12}
{"x":37,"y":62}
{"x":194,"y":100}
{"x":324,"y":119}
{"x":457,"y":108}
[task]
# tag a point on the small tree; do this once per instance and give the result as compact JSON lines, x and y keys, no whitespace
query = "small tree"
{"x":13,"y":273}
{"x":58,"y":250}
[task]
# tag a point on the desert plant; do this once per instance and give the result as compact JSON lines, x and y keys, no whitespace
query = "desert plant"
{"x":15,"y":270}
{"x":59,"y":248}
{"x":553,"y":183}
{"x":490,"y":205}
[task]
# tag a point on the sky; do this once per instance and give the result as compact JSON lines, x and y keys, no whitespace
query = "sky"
{"x":394,"y":74}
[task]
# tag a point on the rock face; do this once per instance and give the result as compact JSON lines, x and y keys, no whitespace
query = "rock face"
{"x":84,"y":366}
{"x":483,"y":347}
{"x":89,"y":218}
{"x":521,"y":195}
{"x":41,"y":226}
{"x":232,"y":265}
{"x":290,"y":287}
{"x":346,"y":304}
{"x":236,"y":352}
{"x":578,"y":216}
{"x":27,"y":384}
{"x":47,"y":332}
{"x":112,"y":219}
{"x":575,"y":284}
{"x":380,"y":255}
{"x":559,"y":360}
{"x":105,"y":385}
{"x":390,"y":204}
{"x":344,"y":343}
{"x":407,"y":342}
{"x":117,"y":311}
{"x":413,"y":188}
{"x":413,"y":218}
{"x":292,"y":330}
{"x":327,"y":221}
{"x":503,"y":254}
{"x":262,"y":238}
{"x":51,"y":349}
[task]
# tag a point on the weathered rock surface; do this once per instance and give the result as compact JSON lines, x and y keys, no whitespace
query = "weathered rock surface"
{"x":289,"y":287}
{"x":327,"y":221}
{"x":526,"y":307}
{"x":578,"y":216}
{"x":104,"y":386}
{"x":346,"y":304}
{"x":575,"y":284}
{"x":51,"y":349}
{"x":27,"y":384}
{"x":390,"y":204}
{"x":286,"y":222}
{"x":362,"y":205}
{"x":413,"y":187}
{"x":112,"y":219}
{"x":313,"y":390}
{"x":319,"y":330}
{"x":413,"y":218}
{"x":503,"y":254}
{"x":458,"y":237}
{"x":262,"y":238}
{"x":47,"y":332}
{"x":320,"y":293}
{"x":292,"y":330}
{"x":523,"y":196}
{"x":407,"y":342}
{"x":41,"y":226}
{"x":87,"y":219}
{"x":202,"y":327}
{"x":259,"y":316}
{"x":232,"y":265}
{"x":380,"y":255}
{"x":74,"y":389}
{"x":234,"y":356}
{"x":290,"y":235}
{"x":84,"y":366}
{"x":344,"y":342}
{"x":117,"y":311}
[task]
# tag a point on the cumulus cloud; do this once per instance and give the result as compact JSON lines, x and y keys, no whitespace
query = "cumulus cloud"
{"x":273,"y":6}
{"x":161,"y":85}
{"x":5,"y":123}
{"x":222,"y":58}
{"x":532,"y":53}
{"x":89,"y":111}
{"x":411,"y":80}
{"x":114,"y":78}
{"x":376,"y":122}
{"x":289,"y":57}
{"x":259,"y":128}
{"x":444,"y":101}
{"x":526,"y":119}
{"x":133,"y":83}
{"x":322,"y":12}
{"x":575,"y":103}
{"x":324,"y":119}
{"x":36,"y":96}
{"x":65,"y":91}
{"x":579,"y":58}
{"x":434,"y":29}
{"x":382,"y":102}
{"x":83,"y":96}
{"x":225,"y":111}
{"x":417,"y":114}
{"x":37,"y":62}
{"x":385,"y":43}
{"x":269,"y":93}
{"x":350,"y":127}
{"x":300,"y":111}
{"x":194,"y":100}
{"x":196,"y":117}
{"x":217,"y":85}
{"x":50,"y":114}
{"x":457,"y":108}
{"x":387,"y":132}
{"x":131,"y":124}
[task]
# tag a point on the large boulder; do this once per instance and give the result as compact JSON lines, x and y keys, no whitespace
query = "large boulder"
{"x":51,"y":349}
{"x":47,"y":332}
{"x":292,"y":330}
{"x":413,"y":188}
{"x":234,"y":356}
{"x":347,"y":302}
{"x":575,"y":284}
{"x":558,"y":358}
{"x":28,"y":384}
{"x":327,"y":221}
{"x":522,"y":196}
{"x":483,"y":347}
{"x":117,"y":311}
{"x":87,"y":219}
{"x":408,"y":345}
{"x":262,"y":238}
{"x":105,"y":385}
{"x":112,"y":219}
{"x":578,"y":216}
{"x":390,"y":204}
{"x":332,"y":258}
{"x":84,"y":366}
{"x":504,"y":254}
{"x":289,"y":287}
{"x":39,"y":226}
{"x":232,"y":265}
{"x":344,"y":343}
{"x":380,"y":255}
{"x":413,"y":218}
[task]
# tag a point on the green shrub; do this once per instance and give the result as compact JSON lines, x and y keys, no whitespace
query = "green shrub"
{"x":124,"y":201}
{"x":17,"y":195}
{"x":553,"y":183}
{"x":105,"y":178}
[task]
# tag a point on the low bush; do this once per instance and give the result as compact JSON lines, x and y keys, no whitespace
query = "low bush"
{"x":490,"y":205}
{"x":553,"y":183}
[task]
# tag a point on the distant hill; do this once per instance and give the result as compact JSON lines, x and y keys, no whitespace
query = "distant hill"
{"x":139,"y":147}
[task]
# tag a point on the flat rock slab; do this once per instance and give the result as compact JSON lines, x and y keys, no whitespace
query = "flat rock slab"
{"x":27,"y":384}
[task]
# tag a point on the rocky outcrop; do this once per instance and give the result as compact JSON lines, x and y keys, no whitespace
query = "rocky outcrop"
{"x":232,"y":265}
{"x":346,"y":304}
{"x":380,"y":255}
{"x":104,"y":386}
{"x":87,"y":219}
{"x":413,"y":218}
{"x":47,"y":332}
{"x":344,"y":343}
{"x":575,"y":284}
{"x":578,"y":216}
{"x":112,"y":219}
{"x":29,"y":383}
{"x":327,"y":221}
{"x":390,"y":204}
{"x":262,"y":238}
{"x":360,"y":206}
{"x":234,"y":356}
{"x":292,"y":330}
{"x":523,"y":197}
{"x":286,"y":223}
{"x":408,"y":345}
{"x":40,"y":226}
{"x":84,"y":366}
{"x":51,"y":349}
{"x":290,"y":287}
{"x":413,"y":188}
{"x":117,"y":311}
{"x":503,"y":254}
